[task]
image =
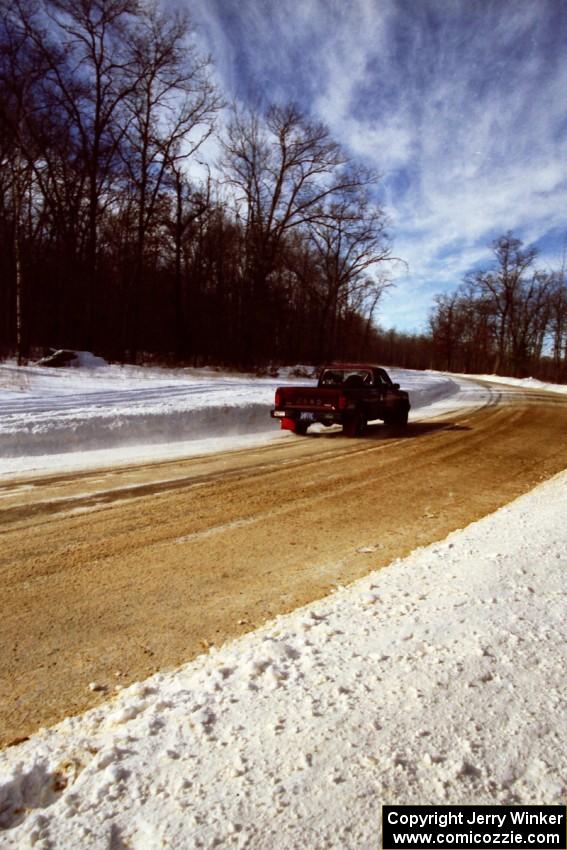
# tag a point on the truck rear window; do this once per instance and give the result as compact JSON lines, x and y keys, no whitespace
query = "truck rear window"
{"x":345,"y":377}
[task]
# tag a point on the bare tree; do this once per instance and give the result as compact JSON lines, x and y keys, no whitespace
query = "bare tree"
{"x":503,"y":286}
{"x":169,"y":113}
{"x":348,"y":238}
{"x":192,"y":204}
{"x":20,"y":69}
{"x":89,"y":83}
{"x":448,"y":324}
{"x":281,"y":170}
{"x":558,"y":324}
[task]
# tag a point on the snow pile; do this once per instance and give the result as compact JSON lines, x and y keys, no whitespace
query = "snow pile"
{"x":74,"y":359}
{"x":46,"y":414}
{"x":437,"y":680}
{"x":87,"y":360}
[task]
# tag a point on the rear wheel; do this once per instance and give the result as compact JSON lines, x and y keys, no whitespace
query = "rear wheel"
{"x":301,"y":427}
{"x":355,"y":425}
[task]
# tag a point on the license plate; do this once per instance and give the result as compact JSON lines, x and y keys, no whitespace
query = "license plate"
{"x":307,"y":415}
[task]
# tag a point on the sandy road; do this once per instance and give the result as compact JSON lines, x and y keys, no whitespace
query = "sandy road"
{"x":110,"y":576}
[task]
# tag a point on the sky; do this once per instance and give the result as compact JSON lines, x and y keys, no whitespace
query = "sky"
{"x":459,"y":104}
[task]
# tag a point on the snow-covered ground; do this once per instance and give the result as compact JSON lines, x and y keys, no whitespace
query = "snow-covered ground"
{"x":437,"y":680}
{"x":72,"y":418}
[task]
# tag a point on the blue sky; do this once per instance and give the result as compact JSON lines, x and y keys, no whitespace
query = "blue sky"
{"x":460,"y":104}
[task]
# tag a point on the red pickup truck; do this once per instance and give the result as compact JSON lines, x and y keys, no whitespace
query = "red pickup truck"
{"x":348,"y":394}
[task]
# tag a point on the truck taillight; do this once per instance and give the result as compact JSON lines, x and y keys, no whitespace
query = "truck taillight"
{"x":342,"y":402}
{"x":278,"y":398}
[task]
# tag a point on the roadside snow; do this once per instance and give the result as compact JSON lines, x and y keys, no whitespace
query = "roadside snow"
{"x":440,"y":679}
{"x":529,"y":383}
{"x":75,"y":418}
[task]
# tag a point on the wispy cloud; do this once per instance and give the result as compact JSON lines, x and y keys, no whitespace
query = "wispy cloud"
{"x":459,"y":105}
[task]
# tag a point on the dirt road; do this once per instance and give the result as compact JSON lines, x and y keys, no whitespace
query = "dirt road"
{"x":107,"y":577}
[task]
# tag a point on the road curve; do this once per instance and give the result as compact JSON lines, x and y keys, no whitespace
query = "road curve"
{"x":111,"y":575}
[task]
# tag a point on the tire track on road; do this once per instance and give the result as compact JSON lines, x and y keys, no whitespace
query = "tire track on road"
{"x":225,"y":542}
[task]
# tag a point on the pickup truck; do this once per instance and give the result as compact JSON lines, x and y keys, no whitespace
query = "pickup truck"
{"x":347,"y":394}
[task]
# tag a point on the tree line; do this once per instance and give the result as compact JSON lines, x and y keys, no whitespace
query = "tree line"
{"x":113,"y":243}
{"x":116,"y":237}
{"x":509,"y":318}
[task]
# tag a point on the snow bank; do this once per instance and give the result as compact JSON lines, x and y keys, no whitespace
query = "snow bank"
{"x":425,"y":388}
{"x":49,"y":415}
{"x":110,"y":426}
{"x":437,"y":680}
{"x":75,"y":410}
{"x":529,"y":383}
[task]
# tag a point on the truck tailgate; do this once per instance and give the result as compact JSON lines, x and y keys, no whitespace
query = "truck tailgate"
{"x":306,"y":397}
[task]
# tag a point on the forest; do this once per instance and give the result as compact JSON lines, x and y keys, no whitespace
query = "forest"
{"x":121,"y":234}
